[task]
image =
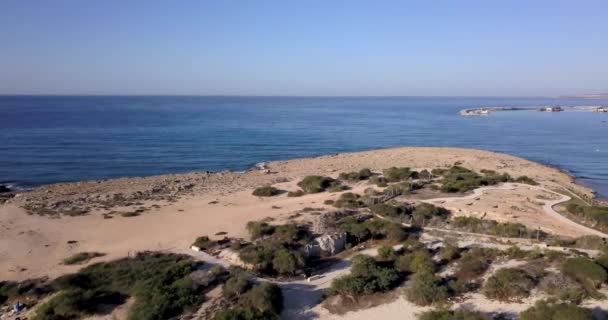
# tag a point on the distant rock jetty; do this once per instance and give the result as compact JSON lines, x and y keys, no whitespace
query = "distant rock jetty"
{"x":484,"y":111}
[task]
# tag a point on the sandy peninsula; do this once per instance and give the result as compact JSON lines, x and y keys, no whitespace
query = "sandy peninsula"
{"x":42,"y":227}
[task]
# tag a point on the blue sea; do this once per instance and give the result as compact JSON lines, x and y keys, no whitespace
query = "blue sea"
{"x":46,"y":139}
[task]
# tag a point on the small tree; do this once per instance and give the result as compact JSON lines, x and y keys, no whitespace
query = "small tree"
{"x":585,"y":271}
{"x":425,"y":289}
{"x":508,"y":284}
{"x":285,"y":262}
{"x":386,"y":252}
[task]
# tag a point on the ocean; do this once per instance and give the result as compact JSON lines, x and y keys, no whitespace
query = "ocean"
{"x":47,"y":139}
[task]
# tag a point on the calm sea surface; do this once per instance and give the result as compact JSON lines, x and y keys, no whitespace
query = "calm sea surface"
{"x":68,"y":138}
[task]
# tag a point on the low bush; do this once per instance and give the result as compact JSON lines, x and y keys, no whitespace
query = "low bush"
{"x":266,"y":191}
{"x":32,"y":288}
{"x":388,"y":210}
{"x":425,"y":289}
{"x":422,"y":262}
{"x":595,"y":216}
{"x":492,"y":227}
{"x":349,"y":200}
{"x":315,"y":184}
{"x":236,"y":285}
{"x":426,"y":212}
{"x":449,"y":252}
{"x":508,"y":284}
{"x":372,"y":228}
{"x":460,"y":179}
{"x":279,"y":252}
{"x":204,"y":243}
{"x":461,"y":314}
{"x":367,"y":276}
{"x":563,"y":288}
{"x":545,"y":310}
{"x":82,"y":257}
{"x":379,"y":181}
{"x":585,"y":271}
{"x":526,"y":180}
{"x":394,"y":174}
{"x":472,"y":265}
{"x":257,"y":302}
{"x":362,"y":174}
{"x":159,"y":283}
{"x":258,"y":229}
{"x":386,"y":252}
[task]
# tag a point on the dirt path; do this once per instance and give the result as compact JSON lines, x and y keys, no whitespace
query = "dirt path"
{"x":547,"y":206}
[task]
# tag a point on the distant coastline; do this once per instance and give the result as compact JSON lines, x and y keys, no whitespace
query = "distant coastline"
{"x":483,"y":111}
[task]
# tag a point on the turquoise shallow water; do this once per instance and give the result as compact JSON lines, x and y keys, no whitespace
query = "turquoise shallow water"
{"x":67,"y":138}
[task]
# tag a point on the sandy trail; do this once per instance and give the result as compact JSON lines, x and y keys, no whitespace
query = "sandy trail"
{"x":547,"y":206}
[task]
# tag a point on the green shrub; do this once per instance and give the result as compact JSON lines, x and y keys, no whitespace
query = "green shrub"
{"x":446,"y":314}
{"x":427,"y":211}
{"x":362,"y":174}
{"x":459,"y":179}
{"x":315,"y":184}
{"x":595,"y":216}
{"x":585,"y":271}
{"x":34,"y":288}
{"x":349,"y":200}
{"x":366,"y":277}
{"x":204,"y":243}
{"x":386,"y":252}
{"x":258,"y":229}
{"x":425,"y":289}
{"x":265,"y":297}
{"x":377,"y":228}
{"x":508,"y":284}
{"x":422,"y":263}
{"x":501,"y":229}
{"x":526,"y":180}
{"x":545,"y":310}
{"x":563,"y":287}
{"x":402,"y":262}
{"x":394,"y":174}
{"x":82,"y":257}
{"x":472,"y":265}
{"x":449,"y":252}
{"x":236,"y":285}
{"x":286,"y":262}
{"x":261,"y":301}
{"x":379,"y":181}
{"x":159,"y":283}
{"x":266,"y":191}
{"x":387,"y":210}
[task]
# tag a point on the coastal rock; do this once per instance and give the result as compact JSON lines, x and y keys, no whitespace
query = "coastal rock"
{"x":4,"y":189}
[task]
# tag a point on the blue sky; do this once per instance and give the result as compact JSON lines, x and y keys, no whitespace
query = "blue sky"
{"x":225,"y":47}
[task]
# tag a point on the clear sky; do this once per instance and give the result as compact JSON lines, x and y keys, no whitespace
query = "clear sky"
{"x":309,"y":47}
